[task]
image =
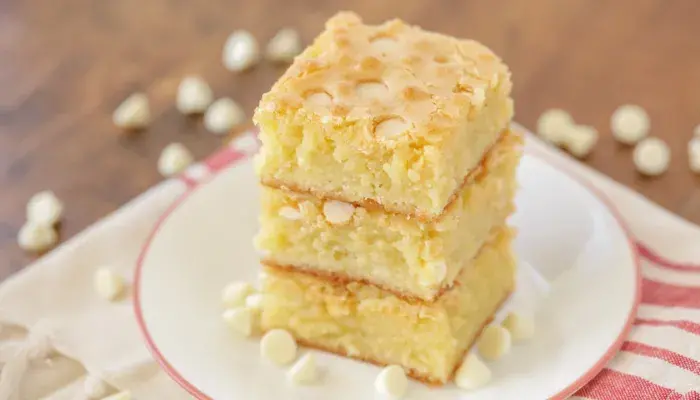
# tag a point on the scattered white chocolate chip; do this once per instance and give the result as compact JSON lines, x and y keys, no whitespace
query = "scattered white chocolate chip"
{"x":246,"y":143}
{"x":694,"y":154}
{"x":290,"y":213}
{"x":472,"y":373}
{"x":520,"y":326}
{"x":552,"y":125}
{"x":44,"y":208}
{"x":652,"y":156}
{"x":174,"y":158}
{"x":278,"y":346}
{"x":94,"y":387}
{"x":478,"y":97}
{"x":235,"y":293}
{"x":284,"y":46}
{"x":391,"y":128}
{"x":125,"y":395}
{"x":193,"y":95}
{"x":108,"y":284}
{"x":223,"y":115}
{"x":240,"y":320}
{"x":630,"y":124}
{"x":36,"y":238}
{"x":304,"y":371}
{"x":338,"y":212}
{"x":254,"y":301}
{"x":392,"y":382}
{"x":133,"y":113}
{"x":384,"y":45}
{"x":580,"y":139}
{"x":494,"y":342}
{"x":241,"y":51}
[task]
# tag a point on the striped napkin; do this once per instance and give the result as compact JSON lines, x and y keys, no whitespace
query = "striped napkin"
{"x":53,"y":338}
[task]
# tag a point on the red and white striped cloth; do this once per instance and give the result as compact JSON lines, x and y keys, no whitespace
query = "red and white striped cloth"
{"x":659,"y":360}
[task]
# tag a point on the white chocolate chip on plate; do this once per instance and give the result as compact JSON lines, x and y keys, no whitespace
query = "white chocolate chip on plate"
{"x":304,"y":371}
{"x":36,"y":238}
{"x":338,"y":212}
{"x":472,"y":373}
{"x":254,"y":301}
{"x":652,"y":156}
{"x":133,"y":113}
{"x":520,"y":326}
{"x":284,"y":46}
{"x":240,"y":320}
{"x":235,"y":294}
{"x":290,"y":213}
{"x":694,"y":154}
{"x":629,"y":124}
{"x":193,"y":95}
{"x":552,"y":125}
{"x":494,"y":342}
{"x":278,"y":346}
{"x":241,"y":51}
{"x":94,"y":387}
{"x":392,"y":382}
{"x":44,"y":208}
{"x":174,"y":158}
{"x":223,"y":115}
{"x":108,"y":285}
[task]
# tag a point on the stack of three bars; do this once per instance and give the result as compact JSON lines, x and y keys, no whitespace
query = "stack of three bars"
{"x":388,"y":173}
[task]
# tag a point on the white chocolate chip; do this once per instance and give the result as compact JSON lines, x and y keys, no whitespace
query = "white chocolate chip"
{"x":304,"y":371}
{"x":521,"y":327}
{"x":133,"y":113}
{"x":235,"y":293}
{"x":254,"y":301}
{"x":694,"y":154}
{"x":384,"y":45}
{"x":193,"y":95}
{"x":278,"y":346}
{"x":241,"y":51}
{"x":630,"y":124}
{"x":552,"y":125}
{"x":108,"y":284}
{"x":580,"y":139}
{"x":651,"y":156}
{"x":290,"y":213}
{"x":223,"y":115}
{"x":44,"y":208}
{"x":472,"y":373}
{"x":391,"y":128}
{"x":174,"y":159}
{"x":494,"y":342}
{"x":36,"y":238}
{"x":125,"y":395}
{"x":392,"y":382}
{"x":478,"y":97}
{"x":319,"y":99}
{"x":338,"y":212}
{"x":371,"y":90}
{"x":284,"y":46}
{"x":240,"y":320}
{"x":94,"y":387}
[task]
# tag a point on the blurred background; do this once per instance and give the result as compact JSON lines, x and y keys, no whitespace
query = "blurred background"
{"x":66,"y":65}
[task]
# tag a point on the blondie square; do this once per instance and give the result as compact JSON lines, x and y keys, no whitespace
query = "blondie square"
{"x":387,"y":115}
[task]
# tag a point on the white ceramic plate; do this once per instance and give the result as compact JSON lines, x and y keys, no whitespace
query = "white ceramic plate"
{"x":567,"y":233}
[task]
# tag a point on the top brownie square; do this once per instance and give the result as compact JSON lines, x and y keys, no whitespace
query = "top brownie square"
{"x":387,"y":116}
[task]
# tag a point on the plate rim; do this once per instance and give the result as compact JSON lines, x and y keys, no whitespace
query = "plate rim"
{"x":569,"y":390}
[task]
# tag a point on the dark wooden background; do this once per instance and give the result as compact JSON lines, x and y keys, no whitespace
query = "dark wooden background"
{"x":66,"y":64}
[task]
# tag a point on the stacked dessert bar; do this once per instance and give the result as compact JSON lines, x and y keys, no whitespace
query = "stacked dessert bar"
{"x":388,"y":173}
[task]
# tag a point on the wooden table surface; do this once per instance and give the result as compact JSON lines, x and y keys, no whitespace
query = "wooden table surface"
{"x":65,"y":65}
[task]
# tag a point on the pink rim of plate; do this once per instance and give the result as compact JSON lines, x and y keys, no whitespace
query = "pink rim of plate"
{"x":563,"y":394}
